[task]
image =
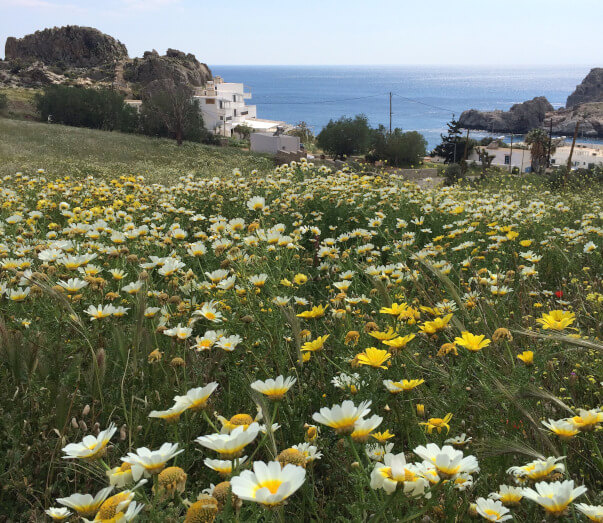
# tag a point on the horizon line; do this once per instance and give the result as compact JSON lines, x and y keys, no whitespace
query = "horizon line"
{"x":407,"y":65}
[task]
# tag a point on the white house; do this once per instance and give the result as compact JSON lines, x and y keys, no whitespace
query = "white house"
{"x":273,"y":143}
{"x":223,"y":108}
{"x":585,"y":156}
{"x":505,"y":157}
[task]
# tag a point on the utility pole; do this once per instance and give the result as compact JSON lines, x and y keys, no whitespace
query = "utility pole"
{"x":466,"y":146}
{"x":511,"y":155}
{"x":569,"y":159}
{"x":548,"y":160}
{"x":390,"y":113}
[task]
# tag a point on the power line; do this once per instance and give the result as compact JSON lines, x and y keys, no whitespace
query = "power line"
{"x":321,"y":101}
{"x":424,"y":103}
{"x":318,"y":102}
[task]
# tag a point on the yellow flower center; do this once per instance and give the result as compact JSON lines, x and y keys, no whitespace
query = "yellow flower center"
{"x":271,"y":484}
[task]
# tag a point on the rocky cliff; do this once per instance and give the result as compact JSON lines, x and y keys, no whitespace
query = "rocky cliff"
{"x":590,"y":116}
{"x":70,"y":46}
{"x":175,"y":65}
{"x":590,"y":90}
{"x":521,"y":118}
{"x":84,"y":56}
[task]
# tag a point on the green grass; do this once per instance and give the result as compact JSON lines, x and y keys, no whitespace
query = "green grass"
{"x":60,"y":150}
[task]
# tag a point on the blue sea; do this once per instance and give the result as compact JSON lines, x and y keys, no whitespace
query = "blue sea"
{"x":424,"y":98}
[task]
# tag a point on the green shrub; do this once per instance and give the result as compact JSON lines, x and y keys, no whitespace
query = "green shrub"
{"x":574,"y":179}
{"x":80,"y":107}
{"x":397,"y":148}
{"x":345,"y":137}
{"x":452,"y":174}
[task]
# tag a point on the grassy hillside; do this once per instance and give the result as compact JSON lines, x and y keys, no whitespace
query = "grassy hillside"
{"x":28,"y":146}
{"x":21,"y":103}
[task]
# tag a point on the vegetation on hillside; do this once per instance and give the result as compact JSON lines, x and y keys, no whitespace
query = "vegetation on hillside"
{"x":435,"y":353}
{"x":78,"y":152}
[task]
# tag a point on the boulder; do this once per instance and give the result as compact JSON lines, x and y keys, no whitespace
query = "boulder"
{"x":590,"y":90}
{"x":520,"y":118}
{"x":175,"y":65}
{"x":71,"y":46}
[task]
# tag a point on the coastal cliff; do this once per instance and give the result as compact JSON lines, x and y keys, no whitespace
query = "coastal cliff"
{"x":590,"y":90}
{"x":584,"y":106}
{"x":519,"y":119}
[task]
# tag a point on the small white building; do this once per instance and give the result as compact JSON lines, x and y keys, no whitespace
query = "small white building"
{"x":223,"y":108}
{"x":585,"y":156}
{"x":505,"y":156}
{"x":274,"y":143}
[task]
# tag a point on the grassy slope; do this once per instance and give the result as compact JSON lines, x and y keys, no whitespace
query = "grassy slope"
{"x":28,"y":146}
{"x":21,"y":103}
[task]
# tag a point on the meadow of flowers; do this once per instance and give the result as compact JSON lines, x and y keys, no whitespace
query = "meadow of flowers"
{"x":309,"y":345}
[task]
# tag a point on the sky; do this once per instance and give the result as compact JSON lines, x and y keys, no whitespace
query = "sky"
{"x":329,"y":32}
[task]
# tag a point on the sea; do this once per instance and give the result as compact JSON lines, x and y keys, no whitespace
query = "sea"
{"x":424,"y":98}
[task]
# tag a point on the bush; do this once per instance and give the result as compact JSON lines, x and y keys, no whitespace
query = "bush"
{"x":3,"y":101}
{"x":80,"y":107}
{"x":452,"y":174}
{"x":345,"y":137}
{"x":398,"y":148}
{"x":575,"y":179}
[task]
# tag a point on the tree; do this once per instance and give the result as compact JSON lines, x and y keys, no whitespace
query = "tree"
{"x":243,"y":130}
{"x":168,"y":108}
{"x":303,"y":132}
{"x":398,"y":148}
{"x":540,"y":144}
{"x":453,"y":146}
{"x":345,"y":137}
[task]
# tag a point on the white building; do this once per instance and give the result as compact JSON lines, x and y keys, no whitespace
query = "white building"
{"x":273,"y":143}
{"x":505,"y":157}
{"x":585,"y":156}
{"x":223,"y":108}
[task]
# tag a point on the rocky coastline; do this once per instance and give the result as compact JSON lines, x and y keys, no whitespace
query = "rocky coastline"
{"x":584,"y":106}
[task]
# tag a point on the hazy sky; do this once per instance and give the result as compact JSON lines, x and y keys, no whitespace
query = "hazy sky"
{"x":492,"y":32}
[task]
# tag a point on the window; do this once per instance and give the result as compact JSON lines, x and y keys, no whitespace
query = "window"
{"x":243,"y":113}
{"x":507,"y":159}
{"x":552,"y":160}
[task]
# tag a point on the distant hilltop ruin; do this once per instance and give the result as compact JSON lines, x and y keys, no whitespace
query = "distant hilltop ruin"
{"x":75,"y":55}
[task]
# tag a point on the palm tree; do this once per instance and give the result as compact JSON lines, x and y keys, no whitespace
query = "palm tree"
{"x":539,"y":143}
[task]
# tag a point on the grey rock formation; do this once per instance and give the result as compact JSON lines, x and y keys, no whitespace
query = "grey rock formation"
{"x":521,"y":118}
{"x":175,"y":65}
{"x":71,"y":46}
{"x":590,"y":116}
{"x":590,"y":90}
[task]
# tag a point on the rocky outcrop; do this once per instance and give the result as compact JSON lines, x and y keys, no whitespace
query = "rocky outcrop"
{"x":70,"y":46}
{"x":521,"y":118}
{"x":590,"y":90}
{"x":174,"y":65}
{"x":590,"y":116}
